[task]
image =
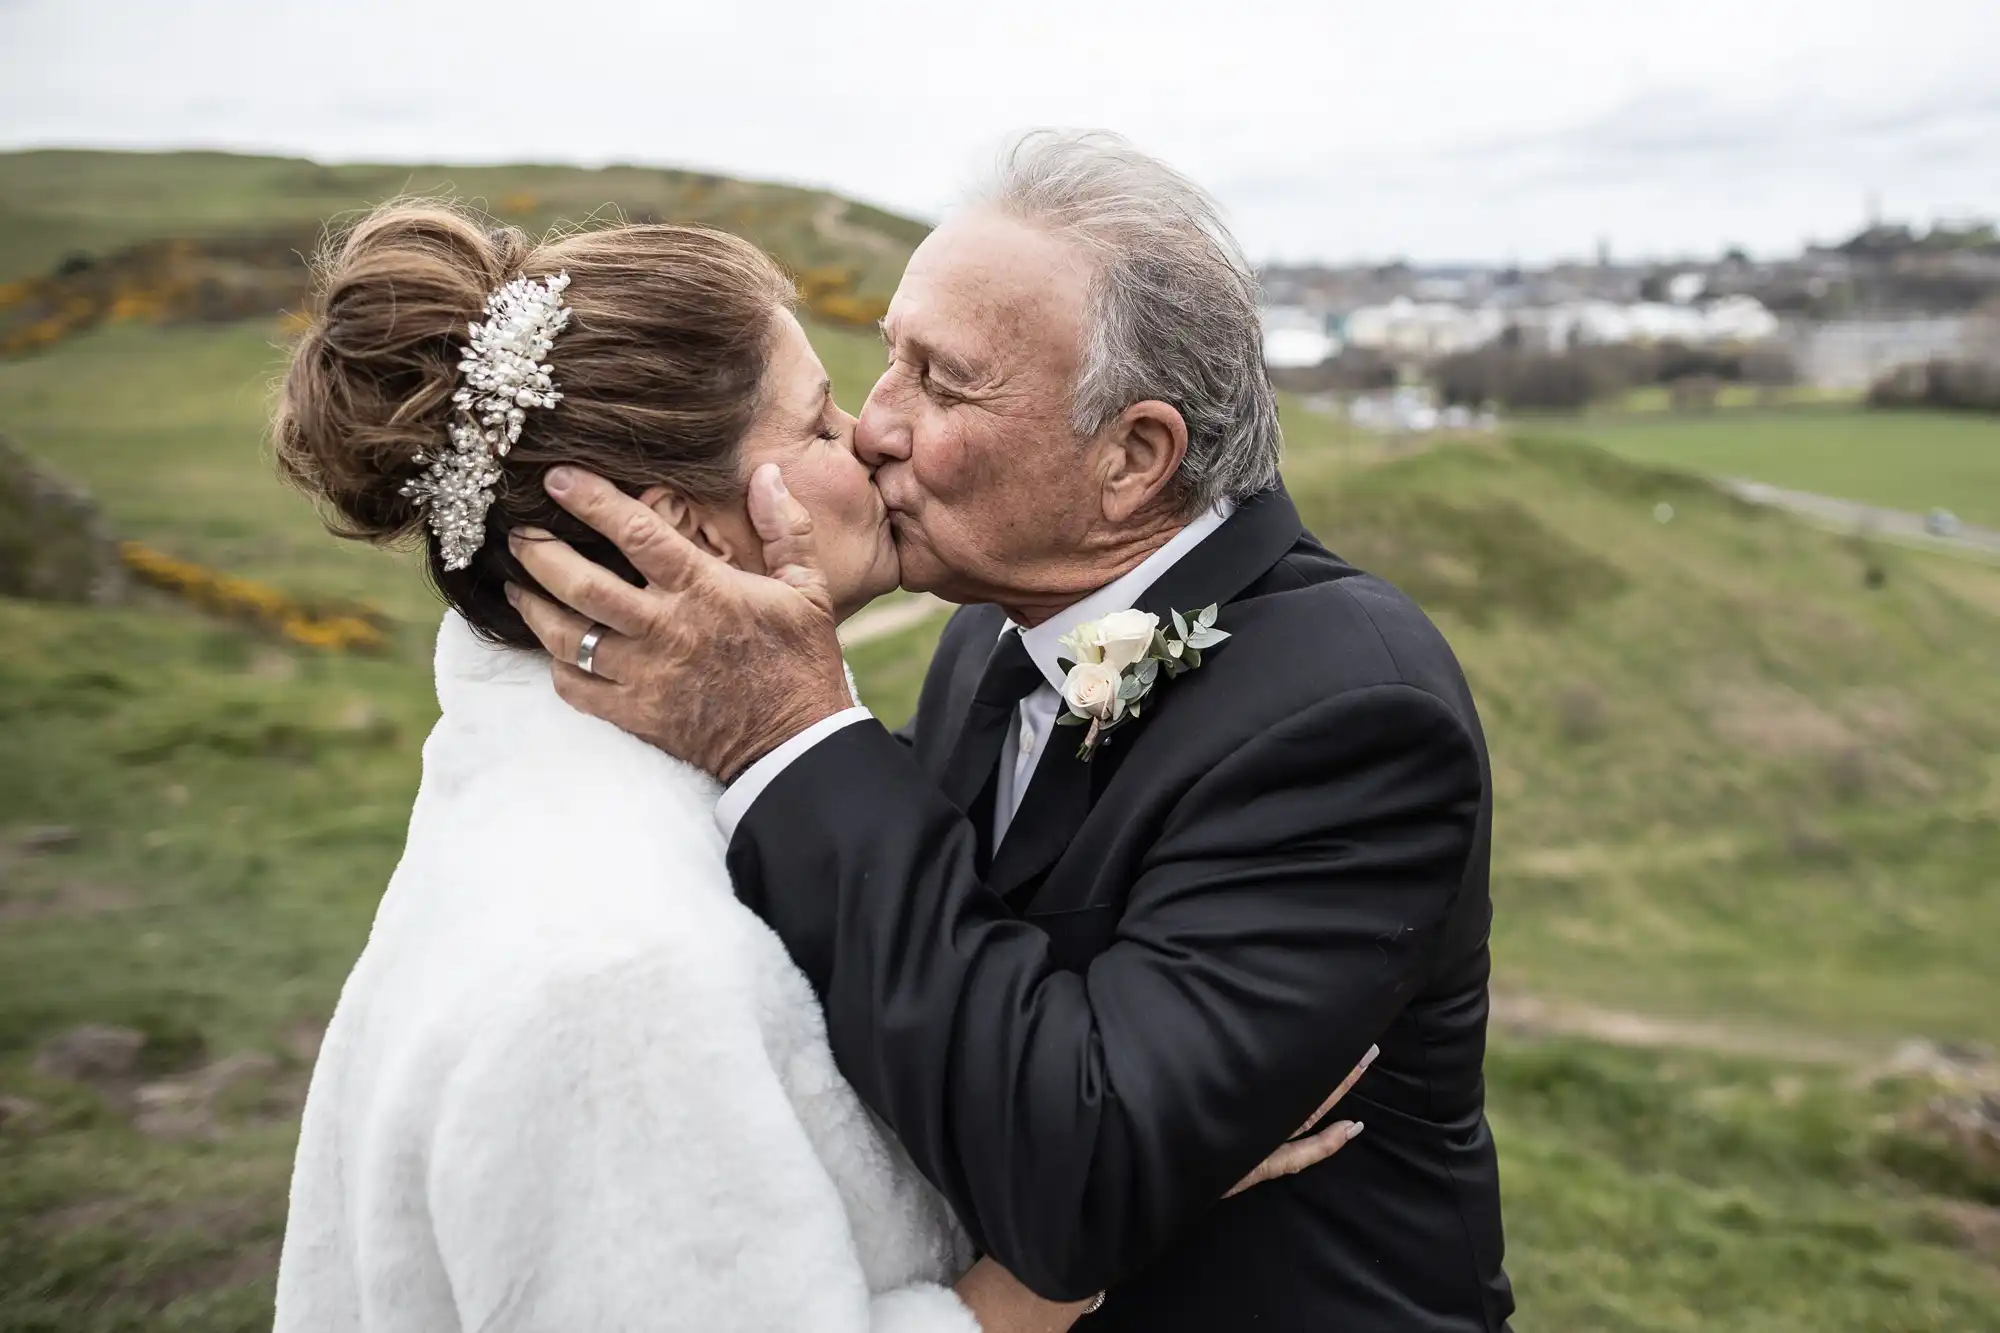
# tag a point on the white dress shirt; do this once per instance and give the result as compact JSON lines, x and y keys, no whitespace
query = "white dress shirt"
{"x":1037,"y":717}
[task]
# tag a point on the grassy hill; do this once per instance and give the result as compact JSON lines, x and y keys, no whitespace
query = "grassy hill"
{"x":1748,"y":789}
{"x":1914,"y":461}
{"x":55,"y":204}
{"x":90,"y":238}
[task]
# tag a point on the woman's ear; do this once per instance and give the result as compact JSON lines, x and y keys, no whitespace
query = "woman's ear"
{"x":694,"y":522}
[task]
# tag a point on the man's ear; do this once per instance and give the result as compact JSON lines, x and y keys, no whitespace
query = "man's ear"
{"x":692,"y":521}
{"x":1143,"y":450}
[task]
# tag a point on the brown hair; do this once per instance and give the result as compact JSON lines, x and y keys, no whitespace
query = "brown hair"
{"x":659,"y":370}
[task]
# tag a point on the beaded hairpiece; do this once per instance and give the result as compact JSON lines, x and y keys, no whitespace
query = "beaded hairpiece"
{"x":506,"y":373}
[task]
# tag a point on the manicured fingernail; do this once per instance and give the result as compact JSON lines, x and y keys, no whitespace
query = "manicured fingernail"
{"x":1369,"y":1058}
{"x":559,"y":480}
{"x":513,"y":595}
{"x":1354,"y":1131}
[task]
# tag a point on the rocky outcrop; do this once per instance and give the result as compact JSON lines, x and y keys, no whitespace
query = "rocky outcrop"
{"x":196,"y":1102}
{"x":53,"y":543}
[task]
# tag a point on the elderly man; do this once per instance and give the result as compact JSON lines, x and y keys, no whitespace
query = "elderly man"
{"x":1089,"y":973}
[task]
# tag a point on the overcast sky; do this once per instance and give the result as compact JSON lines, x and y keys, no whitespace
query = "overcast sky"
{"x":1434,"y":129}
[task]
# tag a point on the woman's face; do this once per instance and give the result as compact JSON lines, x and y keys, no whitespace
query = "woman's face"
{"x":801,"y":429}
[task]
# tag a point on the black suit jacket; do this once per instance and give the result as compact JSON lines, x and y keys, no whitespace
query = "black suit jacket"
{"x":1176,"y":952}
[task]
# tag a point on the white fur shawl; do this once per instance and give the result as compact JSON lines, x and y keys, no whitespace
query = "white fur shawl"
{"x":572,"y":1086}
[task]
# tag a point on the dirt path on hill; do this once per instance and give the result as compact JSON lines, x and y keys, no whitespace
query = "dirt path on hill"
{"x":879,"y":622}
{"x":1869,"y":520}
{"x":830,"y":220}
{"x":1527,"y":1016}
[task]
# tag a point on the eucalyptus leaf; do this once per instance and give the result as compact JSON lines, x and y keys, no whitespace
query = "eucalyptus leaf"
{"x":1207,"y":616}
{"x":1180,"y":625}
{"x":1192,"y":657}
{"x":1072,"y":720}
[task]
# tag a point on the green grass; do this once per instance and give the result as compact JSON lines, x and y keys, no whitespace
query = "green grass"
{"x":1914,"y":461}
{"x":240,"y":804}
{"x":1732,"y":777}
{"x":236,"y":806}
{"x":1745,"y":771}
{"x":1658,"y":398}
{"x":1690,"y":1193}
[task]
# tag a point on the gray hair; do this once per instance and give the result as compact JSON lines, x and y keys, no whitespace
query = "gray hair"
{"x":1173,"y":304}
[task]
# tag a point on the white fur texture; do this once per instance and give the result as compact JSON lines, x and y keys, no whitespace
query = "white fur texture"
{"x":572,"y":1085}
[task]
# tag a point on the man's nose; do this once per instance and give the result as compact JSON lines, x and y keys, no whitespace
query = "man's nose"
{"x":882,"y":434}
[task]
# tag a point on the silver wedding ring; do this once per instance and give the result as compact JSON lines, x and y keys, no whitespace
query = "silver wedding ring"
{"x":586,"y":650}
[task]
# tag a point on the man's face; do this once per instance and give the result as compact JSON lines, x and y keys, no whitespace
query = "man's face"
{"x":987,"y":485}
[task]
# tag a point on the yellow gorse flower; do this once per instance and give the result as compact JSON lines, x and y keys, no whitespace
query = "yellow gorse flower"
{"x":333,"y":630}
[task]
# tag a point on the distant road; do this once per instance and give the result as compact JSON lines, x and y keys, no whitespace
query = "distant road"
{"x":1871,"y":520}
{"x":879,"y":622}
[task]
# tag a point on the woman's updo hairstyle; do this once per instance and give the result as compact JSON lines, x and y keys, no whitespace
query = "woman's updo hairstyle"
{"x":659,"y":368}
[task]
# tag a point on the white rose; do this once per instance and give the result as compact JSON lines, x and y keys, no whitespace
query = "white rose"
{"x":1091,"y":690}
{"x":1126,"y":637}
{"x":1080,"y":644}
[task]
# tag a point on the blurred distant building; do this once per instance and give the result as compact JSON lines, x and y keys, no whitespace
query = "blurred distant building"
{"x":1419,"y":331}
{"x":1423,"y":329}
{"x":1854,"y":353}
{"x":1733,"y":319}
{"x":1296,"y":338}
{"x":1889,"y":295}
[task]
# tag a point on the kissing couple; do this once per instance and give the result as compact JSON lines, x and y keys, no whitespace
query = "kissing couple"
{"x":700,"y":1000}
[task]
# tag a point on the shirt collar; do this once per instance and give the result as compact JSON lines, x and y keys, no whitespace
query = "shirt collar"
{"x":1043,"y":641}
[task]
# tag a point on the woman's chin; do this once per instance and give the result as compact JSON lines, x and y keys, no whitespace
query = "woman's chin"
{"x":881,"y":579}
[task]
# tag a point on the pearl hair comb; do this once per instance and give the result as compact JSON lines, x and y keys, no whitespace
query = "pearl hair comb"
{"x":506,"y":372}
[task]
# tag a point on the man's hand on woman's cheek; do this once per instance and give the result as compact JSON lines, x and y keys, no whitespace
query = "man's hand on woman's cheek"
{"x":715,"y":666}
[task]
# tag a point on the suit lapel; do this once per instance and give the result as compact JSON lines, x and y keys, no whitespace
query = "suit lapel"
{"x":941,"y":739}
{"x":1064,"y":788}
{"x":1052,"y":810}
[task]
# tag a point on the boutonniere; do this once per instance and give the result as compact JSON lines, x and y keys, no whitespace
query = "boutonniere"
{"x":1113,"y":664}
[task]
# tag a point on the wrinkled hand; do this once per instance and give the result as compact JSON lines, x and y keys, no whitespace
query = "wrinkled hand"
{"x":711,"y":664}
{"x":1299,"y":1152}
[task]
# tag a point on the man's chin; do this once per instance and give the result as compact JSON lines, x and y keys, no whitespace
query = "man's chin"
{"x":914,"y":579}
{"x":918,"y":569}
